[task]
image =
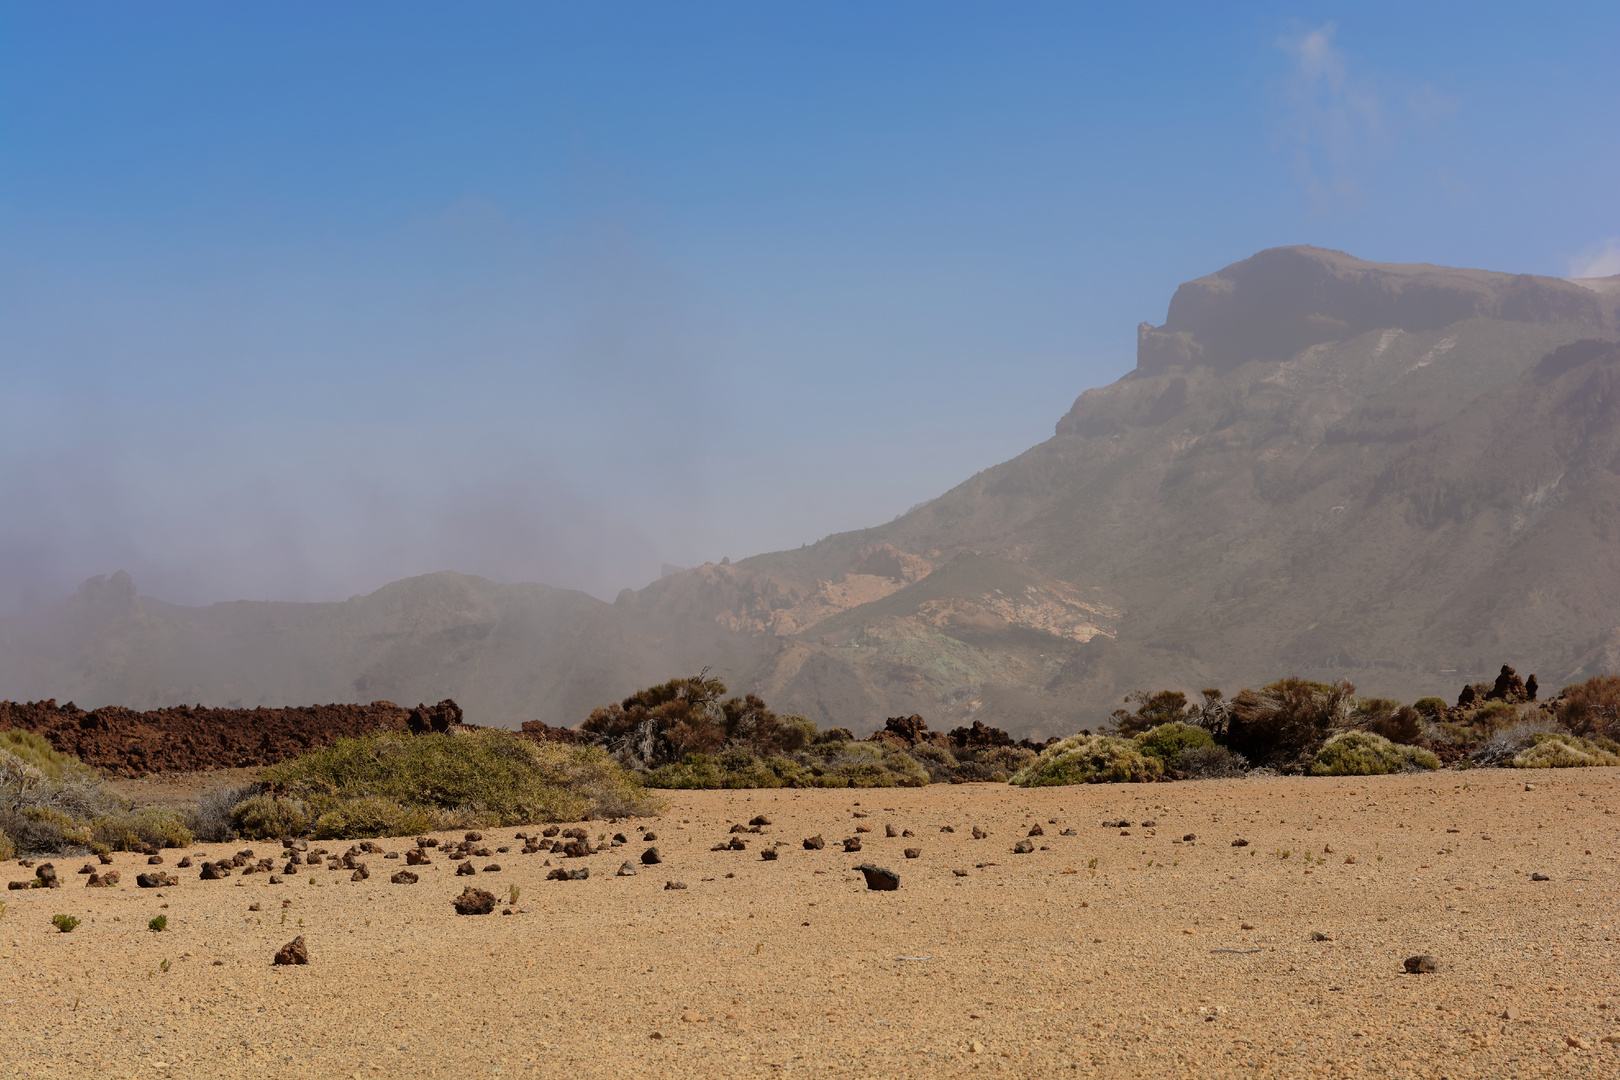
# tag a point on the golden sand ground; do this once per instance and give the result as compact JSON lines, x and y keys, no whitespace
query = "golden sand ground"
{"x":1098,"y":954}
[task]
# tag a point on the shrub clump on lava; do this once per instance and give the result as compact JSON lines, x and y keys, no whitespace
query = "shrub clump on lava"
{"x":1558,"y":751}
{"x":1365,"y":753}
{"x":1090,"y":759}
{"x":393,"y":784}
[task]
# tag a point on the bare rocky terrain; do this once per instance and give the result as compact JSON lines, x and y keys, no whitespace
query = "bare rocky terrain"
{"x":1320,"y":466}
{"x":1156,"y":947}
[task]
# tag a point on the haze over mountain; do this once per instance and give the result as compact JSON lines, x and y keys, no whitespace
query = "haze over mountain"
{"x":1403,"y":475}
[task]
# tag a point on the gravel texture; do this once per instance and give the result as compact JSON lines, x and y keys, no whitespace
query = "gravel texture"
{"x":1118,"y":951}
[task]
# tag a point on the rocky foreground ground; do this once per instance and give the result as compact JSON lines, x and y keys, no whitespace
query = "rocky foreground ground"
{"x":1163,"y":949}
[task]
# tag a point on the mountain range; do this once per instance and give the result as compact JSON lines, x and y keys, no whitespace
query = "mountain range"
{"x":1401,"y":475}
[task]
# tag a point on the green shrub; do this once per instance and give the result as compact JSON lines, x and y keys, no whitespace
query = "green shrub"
{"x":1364,"y":753}
{"x":270,"y":817}
{"x":1430,"y":707}
{"x":151,"y":826}
{"x":210,"y":819}
{"x":159,"y":924}
{"x":1557,"y":751}
{"x":1090,"y":759}
{"x":8,"y":848}
{"x":1167,"y":741}
{"x":37,"y":752}
{"x":394,"y":784}
{"x":64,"y":923}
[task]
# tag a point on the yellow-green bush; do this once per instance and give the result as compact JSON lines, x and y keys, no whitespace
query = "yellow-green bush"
{"x":8,"y":849}
{"x":393,"y":784}
{"x":36,"y":751}
{"x":1557,"y":751}
{"x":1167,"y":741}
{"x":152,"y":826}
{"x":1363,"y":753}
{"x":270,"y":817}
{"x":1090,"y":759}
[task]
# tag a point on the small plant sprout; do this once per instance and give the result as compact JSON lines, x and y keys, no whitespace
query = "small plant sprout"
{"x":164,"y":966}
{"x":64,"y":923}
{"x":512,"y":895}
{"x":159,"y":924}
{"x":1093,"y":863}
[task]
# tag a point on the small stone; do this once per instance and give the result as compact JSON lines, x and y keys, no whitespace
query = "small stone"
{"x":155,"y":881}
{"x":648,"y":837}
{"x":579,"y":875}
{"x":473,"y":837}
{"x":1246,"y":926}
{"x":1420,"y":965}
{"x":559,"y":874}
{"x":908,"y":832}
{"x":946,"y":828}
{"x":758,"y":820}
{"x":650,"y":857}
{"x":1539,"y":877}
{"x":275,"y":880}
{"x":978,"y":833}
{"x":405,"y":877}
{"x":360,"y":873}
{"x":1036,"y":830}
{"x":668,"y":885}
{"x":1317,"y":935}
{"x":913,"y":853}
{"x":154,"y":860}
{"x":863,"y":828}
{"x":1150,"y":824}
{"x":1511,"y":1013}
{"x":768,"y":854}
{"x":1069,"y":832}
{"x":577,"y":849}
{"x":975,"y":1046}
{"x":1190,"y":837}
{"x":493,"y":868}
{"x":1575,"y":1042}
{"x":852,"y":843}
{"x":87,"y":869}
{"x":1023,"y":847}
{"x":417,"y":858}
{"x":738,"y":844}
{"x":255,"y":907}
{"x":890,"y":831}
{"x":1240,"y":842}
{"x":474,"y":902}
{"x":878,"y":878}
{"x":185,"y":863}
{"x":814,"y":843}
{"x":466,"y":869}
{"x":294,"y":952}
{"x":627,"y":869}
{"x":960,"y":873}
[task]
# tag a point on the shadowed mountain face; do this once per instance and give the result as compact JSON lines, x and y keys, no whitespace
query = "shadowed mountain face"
{"x":1400,"y":475}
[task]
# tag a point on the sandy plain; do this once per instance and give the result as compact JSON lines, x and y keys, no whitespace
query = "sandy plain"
{"x":1107,"y":953}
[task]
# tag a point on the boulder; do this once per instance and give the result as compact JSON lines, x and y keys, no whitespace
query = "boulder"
{"x":814,"y":843}
{"x":650,"y":857}
{"x":294,"y":952}
{"x":474,"y":902}
{"x":879,"y":878}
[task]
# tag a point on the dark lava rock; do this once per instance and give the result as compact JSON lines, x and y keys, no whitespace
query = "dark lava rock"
{"x":550,"y":830}
{"x":155,"y":881}
{"x":106,"y":859}
{"x":87,"y":869}
{"x":814,"y":843}
{"x":668,"y":885}
{"x":466,"y":869}
{"x":472,"y":837}
{"x":978,"y":833}
{"x":913,"y":853}
{"x":184,"y":864}
{"x":579,"y":875}
{"x":577,"y":849}
{"x":294,"y":952}
{"x":1023,"y":847}
{"x":620,"y":838}
{"x":648,"y":837}
{"x":1036,"y":830}
{"x":493,"y":868}
{"x":426,"y":842}
{"x":738,"y":844}
{"x":558,"y":874}
{"x":768,"y":854}
{"x":1240,"y":842}
{"x":908,"y":832}
{"x":947,"y":828}
{"x":759,"y":819}
{"x":738,"y":828}
{"x":482,"y":853}
{"x":1539,"y":877}
{"x":1420,"y":965}
{"x":1190,"y":837}
{"x":405,"y":877}
{"x":46,"y":872}
{"x":627,"y":869}
{"x":29,"y":884}
{"x":474,"y":902}
{"x":392,"y":855}
{"x":274,"y":880}
{"x":360,"y":873}
{"x":1150,"y":824}
{"x":890,"y":831}
{"x":577,"y":833}
{"x":852,"y":843}
{"x":417,"y":857}
{"x":650,"y":857}
{"x":371,"y":847}
{"x":255,"y":906}
{"x":879,"y":878}
{"x":1069,"y":832}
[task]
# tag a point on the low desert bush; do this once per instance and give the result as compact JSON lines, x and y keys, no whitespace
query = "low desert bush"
{"x":265,"y":817}
{"x":52,"y":764}
{"x":64,"y":923}
{"x":1283,"y":725}
{"x":44,"y":812}
{"x":1558,"y":751}
{"x":1090,"y":759}
{"x":8,"y":848}
{"x":158,"y":925}
{"x":1363,"y":753}
{"x":1592,"y":707}
{"x":1396,"y":722}
{"x":1167,"y":741}
{"x":133,"y":830}
{"x":392,"y":784}
{"x":1501,"y":746}
{"x":1430,"y":707}
{"x":829,"y":764}
{"x":210,"y":820}
{"x":1213,"y":762}
{"x":663,"y":724}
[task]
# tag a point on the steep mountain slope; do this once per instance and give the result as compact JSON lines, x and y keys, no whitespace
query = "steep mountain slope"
{"x":1402,"y":475}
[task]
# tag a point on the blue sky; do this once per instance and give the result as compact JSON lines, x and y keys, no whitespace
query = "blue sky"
{"x":297,"y":299}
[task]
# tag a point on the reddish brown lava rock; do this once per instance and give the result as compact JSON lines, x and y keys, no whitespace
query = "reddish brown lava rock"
{"x":814,"y":843}
{"x":878,"y":878}
{"x":474,"y":902}
{"x":404,"y":877}
{"x":466,"y":869}
{"x":294,"y":952}
{"x":417,"y":857}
